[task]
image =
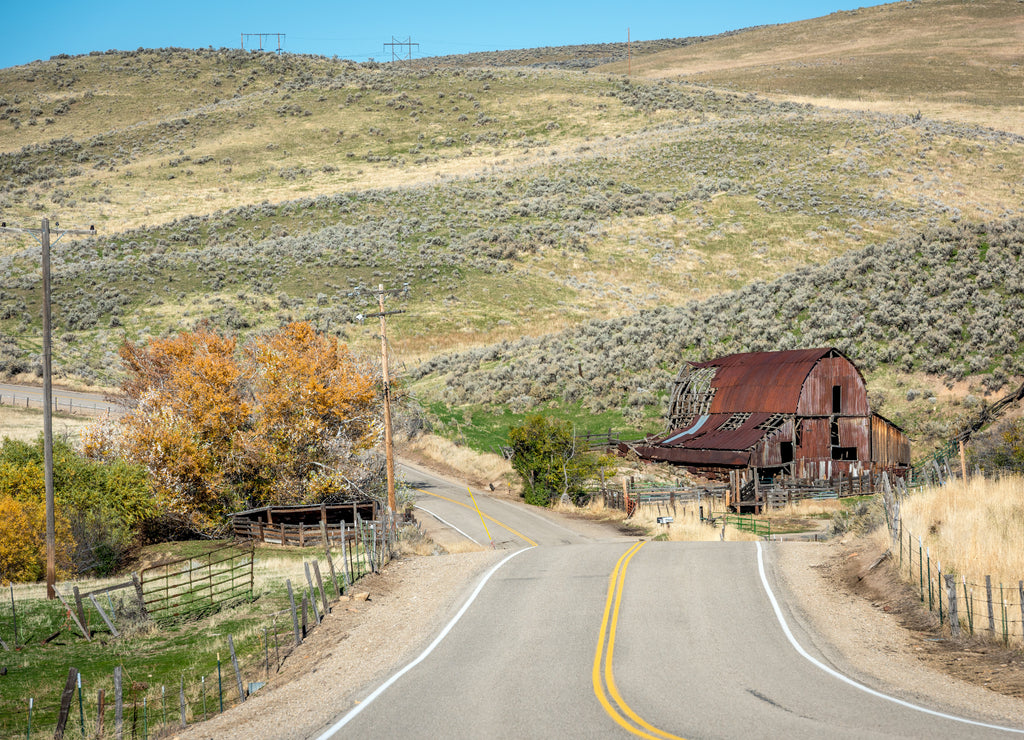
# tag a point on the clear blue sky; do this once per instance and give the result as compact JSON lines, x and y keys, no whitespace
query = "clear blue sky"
{"x":358,"y":30}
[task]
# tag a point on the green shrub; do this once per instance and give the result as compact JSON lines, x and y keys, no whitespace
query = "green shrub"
{"x":103,"y":503}
{"x":551,"y":461}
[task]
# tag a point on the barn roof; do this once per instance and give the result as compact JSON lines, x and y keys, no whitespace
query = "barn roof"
{"x":762,"y":381}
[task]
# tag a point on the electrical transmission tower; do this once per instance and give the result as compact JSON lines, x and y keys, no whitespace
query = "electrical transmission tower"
{"x":407,"y":45}
{"x":260,"y":38}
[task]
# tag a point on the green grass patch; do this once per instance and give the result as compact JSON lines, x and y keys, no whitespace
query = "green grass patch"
{"x":485,"y":430}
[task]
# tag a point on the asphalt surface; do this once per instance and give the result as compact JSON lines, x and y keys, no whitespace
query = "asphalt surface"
{"x":698,"y":653}
{"x":698,"y":649}
{"x":64,"y":400}
{"x":499,"y":523}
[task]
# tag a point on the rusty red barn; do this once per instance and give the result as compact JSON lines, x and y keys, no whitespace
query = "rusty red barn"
{"x":801,"y":411}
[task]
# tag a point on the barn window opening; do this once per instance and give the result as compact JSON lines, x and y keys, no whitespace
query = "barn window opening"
{"x":837,"y":399}
{"x":734,"y":422}
{"x":844,"y":453}
{"x":772,"y":423}
{"x":833,"y":433}
{"x":786,"y":451}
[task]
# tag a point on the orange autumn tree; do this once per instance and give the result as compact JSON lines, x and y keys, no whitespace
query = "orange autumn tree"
{"x":221,"y":427}
{"x":313,"y":408}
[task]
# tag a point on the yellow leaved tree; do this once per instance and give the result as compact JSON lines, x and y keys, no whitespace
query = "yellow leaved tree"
{"x":222,"y":427}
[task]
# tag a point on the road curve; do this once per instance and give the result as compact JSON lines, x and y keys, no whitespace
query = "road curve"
{"x":488,"y":520}
{"x":698,"y":653}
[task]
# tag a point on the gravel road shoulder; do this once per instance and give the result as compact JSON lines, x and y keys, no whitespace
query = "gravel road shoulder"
{"x":870,"y":630}
{"x":358,"y":645}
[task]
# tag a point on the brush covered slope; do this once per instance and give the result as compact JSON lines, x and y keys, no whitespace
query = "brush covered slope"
{"x":251,"y":189}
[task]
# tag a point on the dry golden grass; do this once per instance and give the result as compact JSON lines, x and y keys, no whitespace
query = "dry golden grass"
{"x":933,"y":52}
{"x":27,"y":424}
{"x":685,"y":527}
{"x":973,"y":530}
{"x":461,"y":546}
{"x":445,"y":454}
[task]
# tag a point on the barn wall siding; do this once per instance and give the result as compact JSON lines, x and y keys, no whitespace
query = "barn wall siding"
{"x":814,"y":439}
{"x":816,"y":397}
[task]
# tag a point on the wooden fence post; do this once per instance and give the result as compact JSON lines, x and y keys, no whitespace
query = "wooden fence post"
{"x":991,"y":611}
{"x":101,"y":707}
{"x":118,"y":704}
{"x":320,"y":585}
{"x":74,"y":618}
{"x":295,"y":618}
{"x":137,"y":581}
{"x":65,"y":703}
{"x":312,"y":592}
{"x":181,"y":701}
{"x":79,"y":607}
{"x":954,"y":619}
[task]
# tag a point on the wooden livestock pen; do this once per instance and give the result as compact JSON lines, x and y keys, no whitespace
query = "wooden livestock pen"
{"x":302,"y":525}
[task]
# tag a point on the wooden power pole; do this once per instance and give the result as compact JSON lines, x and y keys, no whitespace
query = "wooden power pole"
{"x":389,"y":447}
{"x":51,"y":539}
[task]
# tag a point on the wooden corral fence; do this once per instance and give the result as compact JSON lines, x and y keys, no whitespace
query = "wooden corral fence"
{"x":752,"y":495}
{"x":633,"y":493}
{"x":190,"y":588}
{"x":303,"y":526}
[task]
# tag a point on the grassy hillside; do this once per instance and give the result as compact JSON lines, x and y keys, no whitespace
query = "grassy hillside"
{"x":249,"y":189}
{"x":945,"y":304}
{"x":944,"y":57}
{"x":697,"y":192}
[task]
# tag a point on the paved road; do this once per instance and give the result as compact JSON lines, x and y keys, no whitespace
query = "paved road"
{"x":697,"y":651}
{"x":582,"y":634}
{"x":64,"y":400}
{"x":506,"y":524}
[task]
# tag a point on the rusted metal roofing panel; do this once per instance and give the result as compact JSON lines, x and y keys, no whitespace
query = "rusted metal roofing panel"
{"x":762,"y":381}
{"x":710,"y":436}
{"x":685,"y":456}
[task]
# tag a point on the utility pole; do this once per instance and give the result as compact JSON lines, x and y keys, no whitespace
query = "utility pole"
{"x":51,"y":540}
{"x":629,"y":55}
{"x":389,"y":448}
{"x":260,"y":37}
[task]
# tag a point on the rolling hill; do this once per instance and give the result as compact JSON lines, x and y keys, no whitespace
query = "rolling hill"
{"x":510,"y":195}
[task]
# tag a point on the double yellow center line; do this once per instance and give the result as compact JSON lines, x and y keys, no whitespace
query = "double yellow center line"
{"x":603,"y":675}
{"x":483,"y":516}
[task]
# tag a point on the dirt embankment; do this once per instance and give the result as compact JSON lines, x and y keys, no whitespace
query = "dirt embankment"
{"x":875,"y":629}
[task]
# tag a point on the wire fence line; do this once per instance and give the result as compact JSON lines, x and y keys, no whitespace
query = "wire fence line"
{"x":964,"y":603}
{"x":65,"y":404}
{"x":105,"y":703}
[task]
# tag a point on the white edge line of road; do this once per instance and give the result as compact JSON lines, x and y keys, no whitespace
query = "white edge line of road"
{"x":847,"y":679}
{"x":447,"y":524}
{"x":352,"y":713}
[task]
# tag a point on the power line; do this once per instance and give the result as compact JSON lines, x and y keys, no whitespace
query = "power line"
{"x":407,"y":44}
{"x":260,"y":37}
